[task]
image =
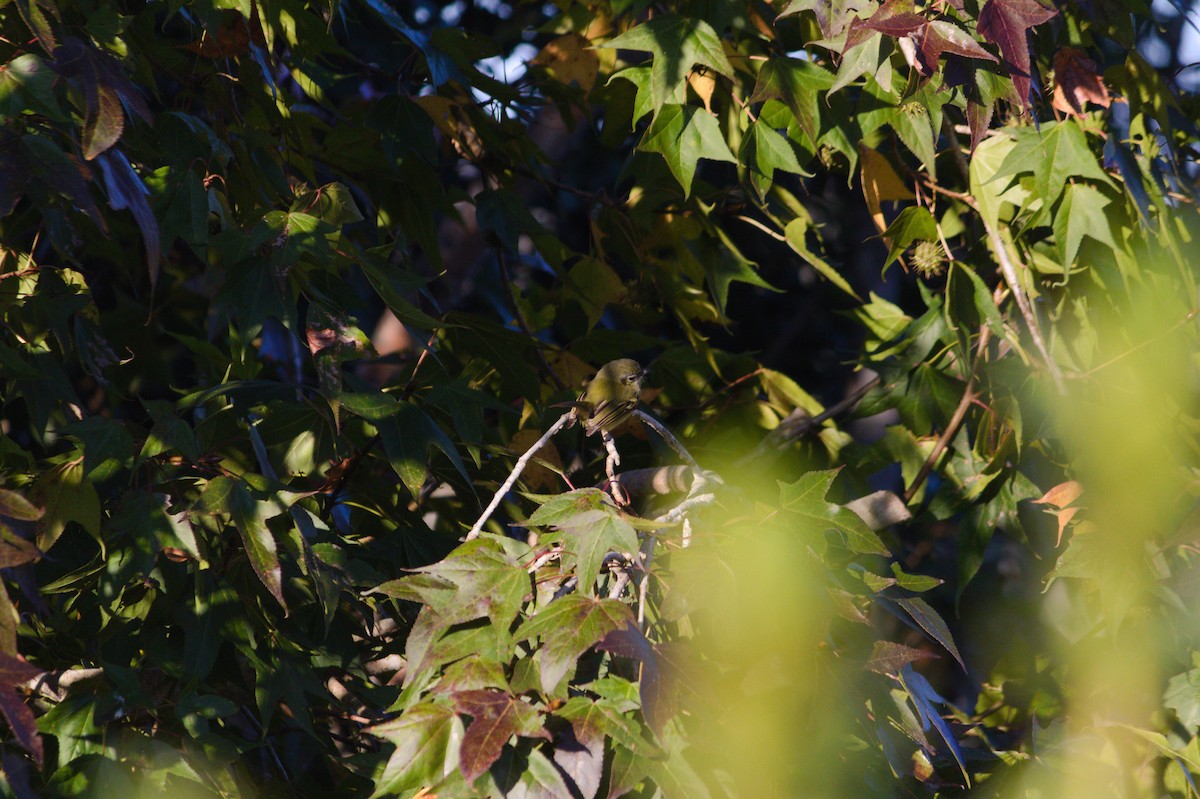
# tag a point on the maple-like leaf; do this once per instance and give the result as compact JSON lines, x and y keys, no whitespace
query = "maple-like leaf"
{"x":939,"y":36}
{"x":683,"y":135}
{"x":1007,"y":23}
{"x":1077,"y":81}
{"x":678,"y":44}
{"x":496,"y":716}
{"x":931,"y":38}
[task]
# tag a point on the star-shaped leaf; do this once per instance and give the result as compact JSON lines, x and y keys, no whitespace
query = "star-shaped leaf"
{"x":683,"y":135}
{"x":569,"y":627}
{"x":678,"y":44}
{"x":496,"y":716}
{"x":796,"y":83}
{"x":249,"y":515}
{"x":806,"y":498}
{"x":1077,"y":81}
{"x":1007,"y":23}
{"x":1081,"y":213}
{"x":426,"y":736}
{"x":1054,"y":154}
{"x":478,"y":579}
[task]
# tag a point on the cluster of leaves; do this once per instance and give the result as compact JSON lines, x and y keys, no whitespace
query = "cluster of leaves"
{"x":232,"y":503}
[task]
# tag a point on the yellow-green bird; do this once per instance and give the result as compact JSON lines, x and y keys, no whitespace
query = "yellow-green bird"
{"x":610,"y":397}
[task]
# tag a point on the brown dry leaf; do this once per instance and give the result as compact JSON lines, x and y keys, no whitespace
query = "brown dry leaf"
{"x":703,"y":84}
{"x":537,"y":476}
{"x":569,"y":59}
{"x":1077,"y":81}
{"x":880,"y":182}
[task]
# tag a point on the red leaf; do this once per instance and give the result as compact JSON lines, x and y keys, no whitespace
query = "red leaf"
{"x":104,"y":88}
{"x":1006,"y":23}
{"x":658,"y":682}
{"x":496,"y":717}
{"x":940,"y":36}
{"x":979,"y":118}
{"x":894,"y":18}
{"x":1076,"y":82}
{"x":897,"y":18}
{"x":14,"y":672}
{"x":20,"y":719}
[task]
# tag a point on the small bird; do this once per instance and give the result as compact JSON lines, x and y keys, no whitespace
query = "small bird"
{"x":610,"y":397}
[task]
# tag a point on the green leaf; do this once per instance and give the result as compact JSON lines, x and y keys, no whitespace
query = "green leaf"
{"x":67,"y":497}
{"x":407,"y":437}
{"x":330,"y":203}
{"x":1054,"y":154}
{"x":885,"y":320}
{"x":913,"y":224}
{"x":589,"y":527}
{"x":569,"y":627}
{"x":796,"y":234}
{"x":724,"y":266}
{"x":678,"y":44}
{"x":987,"y":167}
{"x":594,"y":286}
{"x":806,"y":499}
{"x":1183,"y":696}
{"x":427,"y":739}
{"x":1081,"y":213}
{"x":477,"y":580}
{"x":861,"y":59}
{"x":683,"y":135}
{"x":914,"y":126}
{"x":102,"y":440}
{"x":796,"y":82}
{"x":928,"y":620}
{"x":249,"y":516}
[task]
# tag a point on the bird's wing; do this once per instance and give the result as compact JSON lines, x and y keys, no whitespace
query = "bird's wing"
{"x":604,"y":414}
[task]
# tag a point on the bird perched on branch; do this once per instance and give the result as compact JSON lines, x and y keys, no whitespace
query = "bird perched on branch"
{"x":609,"y":398}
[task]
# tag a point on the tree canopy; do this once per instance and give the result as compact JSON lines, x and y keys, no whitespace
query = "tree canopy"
{"x":291,"y":289}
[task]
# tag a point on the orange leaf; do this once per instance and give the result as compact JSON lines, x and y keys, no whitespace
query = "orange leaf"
{"x":1061,"y":495}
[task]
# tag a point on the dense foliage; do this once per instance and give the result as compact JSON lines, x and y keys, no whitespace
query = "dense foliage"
{"x":287,"y":287}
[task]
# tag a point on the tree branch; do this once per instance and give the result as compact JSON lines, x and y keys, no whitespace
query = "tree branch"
{"x":519,"y":467}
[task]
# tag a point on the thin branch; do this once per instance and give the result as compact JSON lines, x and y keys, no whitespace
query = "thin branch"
{"x":519,"y":467}
{"x":798,"y":423}
{"x":668,"y":437}
{"x":1009,"y":271}
{"x":610,"y":468}
{"x":749,"y":220}
{"x":956,"y":420}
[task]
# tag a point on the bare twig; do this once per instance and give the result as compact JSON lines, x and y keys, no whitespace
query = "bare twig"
{"x":668,"y":437}
{"x":519,"y":467}
{"x":798,"y":423}
{"x":542,"y":559}
{"x":610,"y":468}
{"x":1009,"y":271}
{"x":955,"y":422}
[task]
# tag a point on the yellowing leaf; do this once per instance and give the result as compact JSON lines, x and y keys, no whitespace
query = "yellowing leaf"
{"x":880,"y":182}
{"x":570,"y":60}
